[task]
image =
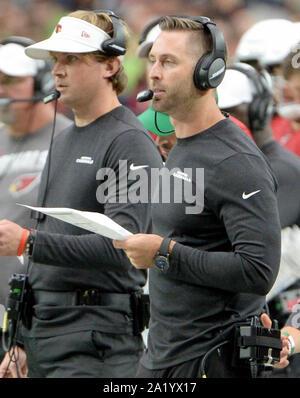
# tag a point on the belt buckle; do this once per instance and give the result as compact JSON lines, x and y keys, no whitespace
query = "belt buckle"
{"x":89,"y":297}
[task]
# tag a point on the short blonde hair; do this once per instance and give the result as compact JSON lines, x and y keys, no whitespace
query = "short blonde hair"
{"x":101,"y":20}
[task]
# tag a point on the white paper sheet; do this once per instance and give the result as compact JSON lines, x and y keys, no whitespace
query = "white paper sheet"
{"x":91,"y":221}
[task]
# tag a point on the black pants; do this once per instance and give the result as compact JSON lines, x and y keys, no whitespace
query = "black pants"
{"x":217,"y":365}
{"x":2,"y":352}
{"x":84,"y":354}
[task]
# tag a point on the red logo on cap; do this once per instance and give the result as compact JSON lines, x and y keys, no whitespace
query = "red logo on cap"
{"x":58,"y":28}
{"x":85,"y":34}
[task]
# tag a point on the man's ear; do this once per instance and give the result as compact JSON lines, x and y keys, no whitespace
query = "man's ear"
{"x":112,"y":65}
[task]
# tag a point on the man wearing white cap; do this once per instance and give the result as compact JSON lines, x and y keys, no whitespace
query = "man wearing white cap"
{"x":88,"y":307}
{"x":24,"y":139}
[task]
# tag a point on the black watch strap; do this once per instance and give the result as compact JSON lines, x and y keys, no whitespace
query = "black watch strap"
{"x":30,"y":243}
{"x":164,"y":247}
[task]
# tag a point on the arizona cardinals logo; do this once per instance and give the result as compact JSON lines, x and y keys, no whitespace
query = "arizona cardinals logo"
{"x":58,"y":28}
{"x":24,"y":184}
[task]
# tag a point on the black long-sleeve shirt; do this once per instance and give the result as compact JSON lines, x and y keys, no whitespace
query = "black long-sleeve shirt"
{"x":67,"y":258}
{"x":227,"y":254}
{"x":286,"y":166}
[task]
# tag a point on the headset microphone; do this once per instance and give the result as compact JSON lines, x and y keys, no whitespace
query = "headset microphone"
{"x":51,"y":97}
{"x":145,"y":95}
{"x":8,"y":101}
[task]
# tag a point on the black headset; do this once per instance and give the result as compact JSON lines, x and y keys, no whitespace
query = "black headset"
{"x":211,"y":67}
{"x":261,"y":105}
{"x":43,"y":80}
{"x":117,"y":44}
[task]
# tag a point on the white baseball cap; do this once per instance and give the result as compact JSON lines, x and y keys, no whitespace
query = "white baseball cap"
{"x":267,"y":41}
{"x":14,"y":61}
{"x":71,"y":35}
{"x":234,"y":89}
{"x":279,"y":43}
{"x":145,"y":46}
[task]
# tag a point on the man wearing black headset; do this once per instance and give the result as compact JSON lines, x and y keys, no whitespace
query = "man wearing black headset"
{"x":156,"y":122}
{"x":213,"y":257}
{"x":24,"y":139}
{"x":88,"y":309}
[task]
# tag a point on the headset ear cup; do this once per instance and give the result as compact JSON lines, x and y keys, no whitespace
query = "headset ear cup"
{"x":261,"y":106}
{"x":252,"y":114}
{"x":209,"y":72}
{"x":43,"y":81}
{"x":258,"y":113}
{"x":216,"y":72}
{"x":116,"y":45}
{"x":200,"y":75}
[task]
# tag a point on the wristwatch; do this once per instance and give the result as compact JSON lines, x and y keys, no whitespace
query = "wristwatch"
{"x":161,"y":259}
{"x":29,"y":244}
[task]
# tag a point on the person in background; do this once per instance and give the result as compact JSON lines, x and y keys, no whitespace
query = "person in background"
{"x":265,"y":46}
{"x":87,"y":304}
{"x":266,"y":43}
{"x":288,"y":104}
{"x":244,"y":93}
{"x":25,"y":133}
{"x":291,"y":337}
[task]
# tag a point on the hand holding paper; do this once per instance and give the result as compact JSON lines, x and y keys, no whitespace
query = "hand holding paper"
{"x":91,"y":221}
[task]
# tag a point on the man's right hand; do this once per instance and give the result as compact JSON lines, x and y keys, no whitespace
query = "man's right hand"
{"x":10,"y":238}
{"x":14,"y":364}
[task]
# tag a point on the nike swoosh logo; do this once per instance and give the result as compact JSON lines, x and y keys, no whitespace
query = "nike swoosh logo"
{"x":248,"y":195}
{"x":133,"y":167}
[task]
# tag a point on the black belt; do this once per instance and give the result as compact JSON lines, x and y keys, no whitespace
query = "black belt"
{"x":135,"y":303}
{"x":81,"y":297}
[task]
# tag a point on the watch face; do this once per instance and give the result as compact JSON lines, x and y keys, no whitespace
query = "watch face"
{"x":162,"y":262}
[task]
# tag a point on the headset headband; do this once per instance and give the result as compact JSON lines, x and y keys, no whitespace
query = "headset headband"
{"x":22,"y":41}
{"x":252,"y":75}
{"x":117,"y":44}
{"x":261,"y":106}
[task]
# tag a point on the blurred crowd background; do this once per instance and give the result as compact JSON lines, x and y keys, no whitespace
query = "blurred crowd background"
{"x":37,"y":18}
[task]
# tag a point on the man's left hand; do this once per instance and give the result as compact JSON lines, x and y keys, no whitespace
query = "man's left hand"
{"x":140,"y":249}
{"x":284,"y":353}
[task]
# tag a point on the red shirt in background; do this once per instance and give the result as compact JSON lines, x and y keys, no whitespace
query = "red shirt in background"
{"x":285,"y":134}
{"x":241,"y":125}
